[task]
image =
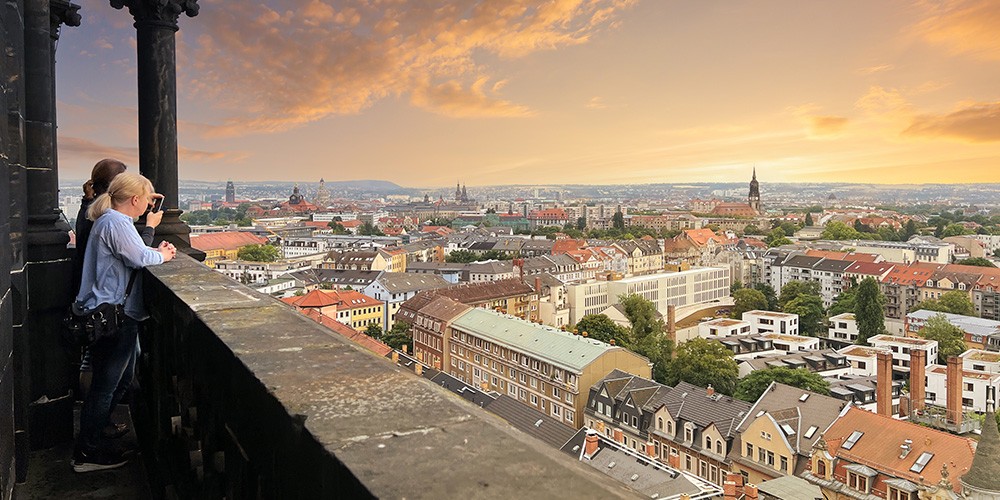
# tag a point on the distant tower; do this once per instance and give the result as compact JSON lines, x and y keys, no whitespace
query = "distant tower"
{"x":322,"y":195}
{"x":465,"y":194}
{"x":754,"y":198}
{"x":458,"y":191}
{"x":296,"y":197}
{"x":230,"y":192}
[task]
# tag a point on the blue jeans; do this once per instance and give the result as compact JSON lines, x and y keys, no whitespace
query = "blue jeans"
{"x":113,"y":362}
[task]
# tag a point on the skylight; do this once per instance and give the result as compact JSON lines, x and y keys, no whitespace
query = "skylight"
{"x":788,"y":429}
{"x":921,"y":462}
{"x":809,"y":433}
{"x":852,"y":440}
{"x":804,"y":397}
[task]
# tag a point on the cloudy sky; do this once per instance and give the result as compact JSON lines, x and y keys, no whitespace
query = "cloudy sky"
{"x":427,"y":93}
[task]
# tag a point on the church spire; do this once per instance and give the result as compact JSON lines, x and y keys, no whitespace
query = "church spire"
{"x":983,"y":478}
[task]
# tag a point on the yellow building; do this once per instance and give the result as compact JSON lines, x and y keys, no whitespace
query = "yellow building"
{"x":224,"y":245}
{"x":351,"y":308}
{"x":776,"y":437}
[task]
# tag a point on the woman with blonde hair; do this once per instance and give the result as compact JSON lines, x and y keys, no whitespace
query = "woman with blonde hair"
{"x":114,"y":255}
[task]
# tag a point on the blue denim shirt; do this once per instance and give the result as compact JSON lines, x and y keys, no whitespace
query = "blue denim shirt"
{"x":113,"y":251}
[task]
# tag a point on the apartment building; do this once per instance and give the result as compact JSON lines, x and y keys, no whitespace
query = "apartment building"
{"x":973,"y":386}
{"x":977,"y":330}
{"x":843,"y":330}
{"x":540,"y":366}
{"x":723,"y":327}
{"x":772,"y":322}
{"x":900,"y":347}
{"x":351,"y":308}
{"x":224,"y":245}
{"x":395,"y":288}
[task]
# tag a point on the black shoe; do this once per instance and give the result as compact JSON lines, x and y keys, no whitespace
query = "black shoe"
{"x":90,"y":461}
{"x":114,"y":431}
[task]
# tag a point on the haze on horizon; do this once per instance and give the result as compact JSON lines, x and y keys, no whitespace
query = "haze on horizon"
{"x":555,"y":92}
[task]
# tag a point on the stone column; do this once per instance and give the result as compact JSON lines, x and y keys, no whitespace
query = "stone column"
{"x":48,"y":372}
{"x":155,"y":26}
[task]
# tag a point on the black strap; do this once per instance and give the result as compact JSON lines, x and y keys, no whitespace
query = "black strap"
{"x":128,"y":289}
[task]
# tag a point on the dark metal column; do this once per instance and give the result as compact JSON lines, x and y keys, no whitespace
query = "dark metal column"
{"x":50,"y":376}
{"x":156,"y":25}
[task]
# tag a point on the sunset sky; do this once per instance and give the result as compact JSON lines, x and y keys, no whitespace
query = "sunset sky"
{"x":427,"y":93}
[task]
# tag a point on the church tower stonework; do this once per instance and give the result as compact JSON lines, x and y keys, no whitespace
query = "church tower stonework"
{"x":753,"y":199}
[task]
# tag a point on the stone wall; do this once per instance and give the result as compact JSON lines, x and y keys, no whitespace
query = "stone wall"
{"x":244,"y":397}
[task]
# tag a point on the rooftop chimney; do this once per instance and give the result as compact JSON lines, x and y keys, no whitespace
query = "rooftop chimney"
{"x":883,"y":384}
{"x":750,"y":492}
{"x":732,"y":487}
{"x":651,"y":449}
{"x":672,"y":323}
{"x":904,"y":449}
{"x":619,"y":436}
{"x":710,"y":391}
{"x":418,"y":368}
{"x":918,"y":364}
{"x":591,"y":444}
{"x":953,"y":381}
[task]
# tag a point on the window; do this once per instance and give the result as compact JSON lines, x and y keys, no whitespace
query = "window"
{"x":708,"y":443}
{"x":852,"y":440}
{"x":600,"y":407}
{"x":857,"y":481}
{"x":921,"y":462}
{"x":534,"y":399}
{"x":659,"y":423}
{"x":749,"y":450}
{"x":821,"y":469}
{"x":784,"y":463}
{"x":688,"y":434}
{"x":718,"y":447}
{"x":670,"y":427}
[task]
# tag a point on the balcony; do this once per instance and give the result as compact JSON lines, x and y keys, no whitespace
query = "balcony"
{"x":247,"y":398}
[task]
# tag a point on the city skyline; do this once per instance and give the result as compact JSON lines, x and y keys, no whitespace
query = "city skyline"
{"x":606,"y":92}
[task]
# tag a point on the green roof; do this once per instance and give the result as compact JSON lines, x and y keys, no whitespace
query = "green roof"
{"x":566,"y":350}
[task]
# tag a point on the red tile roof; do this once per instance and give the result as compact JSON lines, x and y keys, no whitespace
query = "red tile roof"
{"x":879,"y":448}
{"x":343,"y":299}
{"x":915,"y":274}
{"x":227,"y":240}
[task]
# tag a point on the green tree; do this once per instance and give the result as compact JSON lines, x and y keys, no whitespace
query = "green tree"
{"x":618,"y":221}
{"x":909,"y":229}
{"x":844,"y":302}
{"x":747,"y":299}
{"x":398,"y":336}
{"x":953,"y":301}
{"x":642,"y":315}
{"x":954,"y":230}
{"x":950,"y":338}
{"x":777,"y":238}
{"x":601,"y":327}
{"x":769,"y":294}
{"x":369,"y":229}
{"x":750,"y":388}
{"x":789,"y":227}
{"x":702,"y":362}
{"x":810,"y":311}
{"x":648,"y":336}
{"x":836,"y":230}
{"x":337,"y":227}
{"x":581,"y":223}
{"x":258,"y":253}
{"x":795,"y":288}
{"x":809,"y":219}
{"x":868,"y":310}
{"x":374,"y":331}
{"x":996,"y":253}
{"x":461,"y":256}
{"x":752,"y":229}
{"x":736,"y":285}
{"x":976,"y":261}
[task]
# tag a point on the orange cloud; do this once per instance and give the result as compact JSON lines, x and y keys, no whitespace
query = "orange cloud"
{"x":274,"y":67}
{"x":827,"y":125}
{"x":451,"y":99}
{"x":979,"y":122}
{"x":90,"y":151}
{"x":967,"y":27}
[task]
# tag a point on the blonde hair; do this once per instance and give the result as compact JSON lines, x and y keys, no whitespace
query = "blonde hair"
{"x":123,"y":187}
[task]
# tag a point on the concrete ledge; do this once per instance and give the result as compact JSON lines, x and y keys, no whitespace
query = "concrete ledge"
{"x":283,"y":407}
